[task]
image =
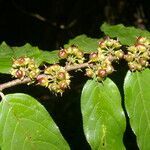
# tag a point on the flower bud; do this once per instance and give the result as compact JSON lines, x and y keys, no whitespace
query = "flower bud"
{"x":54,"y":87}
{"x":43,"y":80}
{"x":109,"y":69}
{"x":109,"y":43}
{"x":141,"y":47}
{"x":19,"y":62}
{"x":146,"y":55}
{"x":62,"y":54}
{"x":110,"y":58}
{"x":75,"y":50}
{"x":116,"y":44}
{"x":119,"y":54}
{"x":139,"y":67}
{"x":102,"y":73}
{"x":102,"y":44}
{"x":20,"y":74}
{"x":34,"y":73}
{"x":63,"y":85}
{"x":94,"y":57}
{"x":89,"y":72}
{"x":61,"y":76}
{"x":143,"y":62}
{"x":132,"y":49}
{"x":79,"y":54}
{"x":51,"y":69}
{"x":129,"y":57}
{"x":141,"y":40}
{"x":132,"y":66}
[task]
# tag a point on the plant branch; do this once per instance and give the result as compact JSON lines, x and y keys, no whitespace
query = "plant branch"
{"x":27,"y":80}
{"x":13,"y":83}
{"x":75,"y":67}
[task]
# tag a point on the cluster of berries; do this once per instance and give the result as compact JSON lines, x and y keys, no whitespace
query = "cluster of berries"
{"x":25,"y":67}
{"x":138,"y":55}
{"x":56,"y":78}
{"x":72,"y":54}
{"x":108,"y":52}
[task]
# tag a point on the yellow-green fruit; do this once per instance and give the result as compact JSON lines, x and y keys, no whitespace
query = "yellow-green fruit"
{"x":61,"y":76}
{"x":94,"y":57}
{"x":43,"y":80}
{"x":89,"y":72}
{"x":129,"y":57}
{"x":109,"y":69}
{"x":141,"y":47}
{"x":119,"y":54}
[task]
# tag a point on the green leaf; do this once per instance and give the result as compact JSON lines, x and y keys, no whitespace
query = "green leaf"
{"x":86,"y":44}
{"x":137,"y":103}
{"x":27,"y":50}
{"x":103,"y":117}
{"x":7,"y":54}
{"x":34,"y":52}
{"x":50,"y":57}
{"x":126,"y":35}
{"x":26,"y":125}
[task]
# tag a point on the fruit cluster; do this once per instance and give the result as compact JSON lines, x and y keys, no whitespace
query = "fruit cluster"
{"x":56,"y":78}
{"x":138,"y":55}
{"x":108,"y":52}
{"x":24,"y":67}
{"x":72,"y":54}
{"x":99,"y":65}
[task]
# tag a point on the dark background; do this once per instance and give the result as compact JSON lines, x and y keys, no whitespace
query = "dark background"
{"x":65,"y":19}
{"x":49,"y":24}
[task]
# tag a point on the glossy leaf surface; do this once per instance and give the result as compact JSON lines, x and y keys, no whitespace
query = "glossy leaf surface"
{"x":137,"y":102}
{"x":84,"y":43}
{"x":126,"y":35}
{"x":26,"y":125}
{"x":103,"y":116}
{"x":7,"y":54}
